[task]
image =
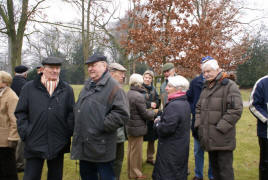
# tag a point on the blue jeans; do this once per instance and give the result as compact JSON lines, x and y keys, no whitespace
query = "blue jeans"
{"x":94,"y":170}
{"x":199,"y":161}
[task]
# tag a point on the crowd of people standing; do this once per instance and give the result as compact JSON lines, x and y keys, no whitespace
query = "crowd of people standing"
{"x":39,"y":117}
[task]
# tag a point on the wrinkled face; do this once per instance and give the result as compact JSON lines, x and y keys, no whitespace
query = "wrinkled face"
{"x":96,"y":69}
{"x":147,"y":79}
{"x":51,"y":72}
{"x":118,"y":75}
{"x":170,"y":89}
{"x":209,"y":73}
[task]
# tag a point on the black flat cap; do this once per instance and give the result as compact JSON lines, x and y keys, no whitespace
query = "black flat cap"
{"x":95,"y":58}
{"x":56,"y":61}
{"x":20,"y":69}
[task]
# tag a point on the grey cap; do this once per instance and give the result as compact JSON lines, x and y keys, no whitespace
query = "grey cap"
{"x":51,"y":60}
{"x":167,"y":66}
{"x":96,"y":58}
{"x":116,"y":66}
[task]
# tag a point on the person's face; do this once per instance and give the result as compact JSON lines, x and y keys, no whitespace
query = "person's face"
{"x":51,"y":72}
{"x":2,"y":85}
{"x":169,"y":72}
{"x":118,"y":75}
{"x":170,"y":89}
{"x":147,"y":79}
{"x":96,"y":69}
{"x":209,"y":73}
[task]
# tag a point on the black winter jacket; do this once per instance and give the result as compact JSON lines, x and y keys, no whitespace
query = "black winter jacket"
{"x":174,"y":139}
{"x":17,"y":83}
{"x":45,"y":123}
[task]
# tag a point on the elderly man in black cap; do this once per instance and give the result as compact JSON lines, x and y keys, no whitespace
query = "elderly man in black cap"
{"x":102,"y":108}
{"x":45,"y":121}
{"x":19,"y":80}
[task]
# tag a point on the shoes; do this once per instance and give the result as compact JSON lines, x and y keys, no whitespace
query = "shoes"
{"x":141,"y":177}
{"x":152,"y":162}
{"x":196,"y":178}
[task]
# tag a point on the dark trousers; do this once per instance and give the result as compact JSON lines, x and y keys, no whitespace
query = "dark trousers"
{"x":7,"y":164}
{"x":117,"y":165}
{"x":34,"y":166}
{"x":20,"y":161}
{"x":222,"y":165}
{"x":263,"y":166}
{"x":96,"y":171}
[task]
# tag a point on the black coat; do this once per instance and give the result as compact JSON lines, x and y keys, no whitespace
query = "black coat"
{"x":151,"y":95}
{"x":45,"y":123}
{"x":136,"y":125}
{"x":174,"y":138}
{"x":17,"y":83}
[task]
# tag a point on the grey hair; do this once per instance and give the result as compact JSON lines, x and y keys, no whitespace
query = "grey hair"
{"x":211,"y":63}
{"x":136,"y":80}
{"x":179,"y":82}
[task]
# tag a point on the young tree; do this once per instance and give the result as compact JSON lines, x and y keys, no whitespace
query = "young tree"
{"x":15,"y":26}
{"x":182,"y":31}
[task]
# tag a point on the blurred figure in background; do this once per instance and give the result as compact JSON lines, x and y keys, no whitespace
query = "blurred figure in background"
{"x":152,"y":102}
{"x":8,"y":128}
{"x":168,"y":71}
{"x":136,"y":126}
{"x":118,"y":71}
{"x":173,"y":129}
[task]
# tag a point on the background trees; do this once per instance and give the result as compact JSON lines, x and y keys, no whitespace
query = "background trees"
{"x":182,"y":31}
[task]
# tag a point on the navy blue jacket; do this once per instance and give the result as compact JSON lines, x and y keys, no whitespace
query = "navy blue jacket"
{"x":193,"y":94}
{"x":258,"y":105}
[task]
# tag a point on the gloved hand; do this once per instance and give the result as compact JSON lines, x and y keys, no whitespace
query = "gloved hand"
{"x":12,"y":144}
{"x":195,"y":133}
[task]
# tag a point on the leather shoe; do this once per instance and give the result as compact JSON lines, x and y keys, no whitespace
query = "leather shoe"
{"x":152,"y":162}
{"x":141,"y":177}
{"x":196,"y":178}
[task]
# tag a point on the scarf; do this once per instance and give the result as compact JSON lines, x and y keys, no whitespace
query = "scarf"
{"x":50,"y":85}
{"x":175,"y":95}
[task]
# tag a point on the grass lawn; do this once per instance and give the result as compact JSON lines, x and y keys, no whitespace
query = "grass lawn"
{"x":246,"y":155}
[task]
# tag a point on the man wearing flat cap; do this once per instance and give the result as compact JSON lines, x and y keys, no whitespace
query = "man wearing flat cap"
{"x":19,"y":80}
{"x":168,"y":71}
{"x":101,"y":109}
{"x":118,"y":71}
{"x":45,"y":121}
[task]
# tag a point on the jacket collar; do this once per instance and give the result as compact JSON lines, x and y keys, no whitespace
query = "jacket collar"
{"x":139,"y":89}
{"x":3,"y":90}
{"x":181,"y":98}
{"x":100,"y":83}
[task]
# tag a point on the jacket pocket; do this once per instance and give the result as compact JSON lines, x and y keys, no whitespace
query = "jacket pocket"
{"x":94,"y":147}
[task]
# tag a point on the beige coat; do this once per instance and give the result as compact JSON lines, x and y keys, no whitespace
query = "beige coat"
{"x":8,"y":125}
{"x":217,"y":112}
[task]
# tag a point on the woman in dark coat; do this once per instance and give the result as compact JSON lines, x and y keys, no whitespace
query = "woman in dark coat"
{"x":136,"y":126}
{"x":173,"y":130}
{"x":152,"y":102}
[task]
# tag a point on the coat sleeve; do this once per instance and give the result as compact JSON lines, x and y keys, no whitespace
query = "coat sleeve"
{"x":197,"y":114}
{"x":70,"y":112}
{"x":157,"y":99}
{"x":234,"y":108}
{"x":169,"y":121}
{"x":12,"y":103}
{"x":119,"y":112}
{"x":144,"y":113}
{"x":257,"y":104}
{"x":21,"y":114}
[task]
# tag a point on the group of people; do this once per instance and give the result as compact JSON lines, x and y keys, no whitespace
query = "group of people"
{"x":41,"y":117}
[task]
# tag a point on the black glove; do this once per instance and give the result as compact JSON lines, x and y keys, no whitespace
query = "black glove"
{"x":195,"y":133}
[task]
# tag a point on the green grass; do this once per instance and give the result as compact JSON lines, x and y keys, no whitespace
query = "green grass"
{"x":246,"y":155}
{"x":245,"y":93}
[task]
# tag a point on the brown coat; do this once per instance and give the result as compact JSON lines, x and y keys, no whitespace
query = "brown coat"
{"x":8,"y":125}
{"x":136,"y":125}
{"x":217,"y":112}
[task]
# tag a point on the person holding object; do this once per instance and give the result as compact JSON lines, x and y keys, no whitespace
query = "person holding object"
{"x":8,"y":128}
{"x":152,"y":102}
{"x":101,"y":109}
{"x":136,"y":126}
{"x":45,"y":121}
{"x":217,"y":112}
{"x":173,"y":129}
